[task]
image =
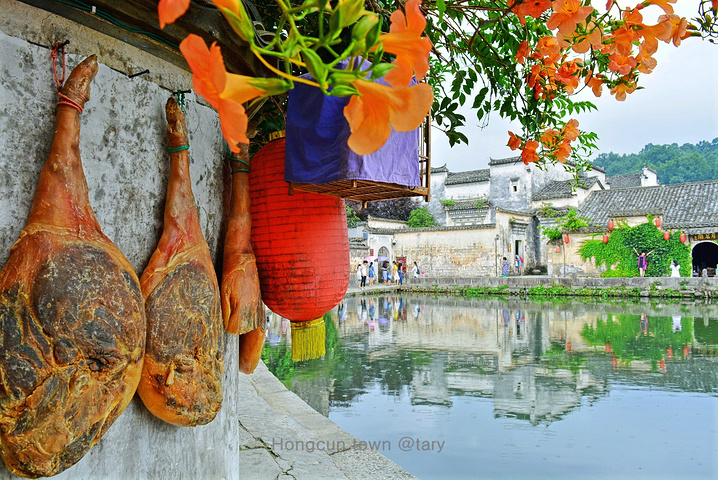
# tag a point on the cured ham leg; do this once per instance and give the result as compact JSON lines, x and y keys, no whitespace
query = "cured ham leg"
{"x":250,"y":347}
{"x":182,"y":374}
{"x":72,"y":315}
{"x":242,"y":309}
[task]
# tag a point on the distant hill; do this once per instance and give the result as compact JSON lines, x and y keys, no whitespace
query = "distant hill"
{"x":673,"y":163}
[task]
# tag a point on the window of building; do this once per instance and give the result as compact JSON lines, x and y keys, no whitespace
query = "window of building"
{"x":514,"y":185}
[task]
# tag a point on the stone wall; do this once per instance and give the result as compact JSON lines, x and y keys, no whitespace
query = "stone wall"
{"x":449,"y":251}
{"x":123,"y":147}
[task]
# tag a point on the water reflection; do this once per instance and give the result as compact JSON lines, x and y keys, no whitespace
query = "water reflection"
{"x":439,"y":362}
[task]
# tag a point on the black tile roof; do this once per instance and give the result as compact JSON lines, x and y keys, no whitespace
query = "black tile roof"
{"x":629,"y":180}
{"x":384,"y":231}
{"x":564,"y":188}
{"x":441,"y":169}
{"x":554,"y":189}
{"x":469,"y":204}
{"x":517,"y":159}
{"x":501,"y":161}
{"x":692,"y":207}
{"x":471,"y":176}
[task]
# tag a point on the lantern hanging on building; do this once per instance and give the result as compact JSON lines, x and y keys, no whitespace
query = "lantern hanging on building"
{"x":565,"y":239}
{"x":657,"y":222}
{"x":558,"y":249}
{"x":666,"y":236}
{"x":300,"y":242}
{"x":684,"y":237}
{"x":610,"y":225}
{"x":605,"y":238}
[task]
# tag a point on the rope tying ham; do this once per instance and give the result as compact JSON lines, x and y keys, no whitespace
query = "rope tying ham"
{"x":59,"y":51}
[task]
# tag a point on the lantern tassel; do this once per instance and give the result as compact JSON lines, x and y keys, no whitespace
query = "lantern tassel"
{"x":308,"y":340}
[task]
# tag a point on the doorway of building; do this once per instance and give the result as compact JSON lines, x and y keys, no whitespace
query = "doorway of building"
{"x":705,"y":255}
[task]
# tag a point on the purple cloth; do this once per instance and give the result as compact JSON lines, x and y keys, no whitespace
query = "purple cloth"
{"x":317,"y":150}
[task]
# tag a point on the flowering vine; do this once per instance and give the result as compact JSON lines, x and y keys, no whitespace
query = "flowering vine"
{"x":374,"y":109}
{"x":586,"y":48}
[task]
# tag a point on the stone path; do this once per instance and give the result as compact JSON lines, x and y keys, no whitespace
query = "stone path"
{"x":283,"y":438}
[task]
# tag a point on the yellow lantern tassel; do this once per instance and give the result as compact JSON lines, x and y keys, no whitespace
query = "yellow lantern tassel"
{"x":308,"y":340}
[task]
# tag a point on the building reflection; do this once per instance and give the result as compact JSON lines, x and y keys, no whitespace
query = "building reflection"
{"x":535,"y":361}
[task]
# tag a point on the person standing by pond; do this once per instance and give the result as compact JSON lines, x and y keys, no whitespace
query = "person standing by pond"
{"x":363,"y":274}
{"x":372,"y":273}
{"x":395,"y":272}
{"x":675,"y":269}
{"x":505,"y":268}
{"x":415,"y":270}
{"x":642,"y":261}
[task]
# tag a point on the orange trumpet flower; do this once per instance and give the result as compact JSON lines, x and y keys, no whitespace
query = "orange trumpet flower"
{"x":405,"y":41}
{"x":226,"y":92}
{"x":528,"y":154}
{"x":532,"y":8}
{"x":567,"y":15}
{"x":171,"y":10}
{"x":570,"y":131}
{"x":678,"y":28}
{"x":378,"y":108}
{"x":514,"y":142}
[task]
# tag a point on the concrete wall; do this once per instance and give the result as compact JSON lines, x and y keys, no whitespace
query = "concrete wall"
{"x":123,"y":146}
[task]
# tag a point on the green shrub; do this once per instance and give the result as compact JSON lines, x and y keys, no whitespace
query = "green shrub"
{"x":420,"y":218}
{"x":619,"y":256}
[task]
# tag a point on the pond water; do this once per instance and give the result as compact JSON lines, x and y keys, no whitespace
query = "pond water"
{"x":517,"y":389}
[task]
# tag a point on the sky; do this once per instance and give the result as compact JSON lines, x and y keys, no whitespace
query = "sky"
{"x":679,"y":104}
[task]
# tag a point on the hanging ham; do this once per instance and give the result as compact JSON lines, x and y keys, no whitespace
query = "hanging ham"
{"x":73,"y":321}
{"x":242,"y":308}
{"x":182,"y":374}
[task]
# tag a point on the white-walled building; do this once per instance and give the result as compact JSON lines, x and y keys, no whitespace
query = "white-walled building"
{"x":488,"y":214}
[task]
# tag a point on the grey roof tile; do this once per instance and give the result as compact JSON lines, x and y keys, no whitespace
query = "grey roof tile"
{"x":501,"y":161}
{"x":554,"y":189}
{"x":687,"y":206}
{"x":517,"y":159}
{"x":469,"y":204}
{"x":629,"y":180}
{"x":564,"y":188}
{"x":472,"y":176}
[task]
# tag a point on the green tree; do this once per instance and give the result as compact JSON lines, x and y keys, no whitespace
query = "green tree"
{"x":570,"y":222}
{"x":672,"y":163}
{"x":420,"y":218}
{"x":352,"y":218}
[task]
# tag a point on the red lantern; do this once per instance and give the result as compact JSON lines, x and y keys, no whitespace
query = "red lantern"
{"x":300,"y":241}
{"x":610,"y":224}
{"x":684,"y":237}
{"x":565,"y":239}
{"x":558,"y":249}
{"x":657,"y":222}
{"x":605,"y":239}
{"x":666,"y":236}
